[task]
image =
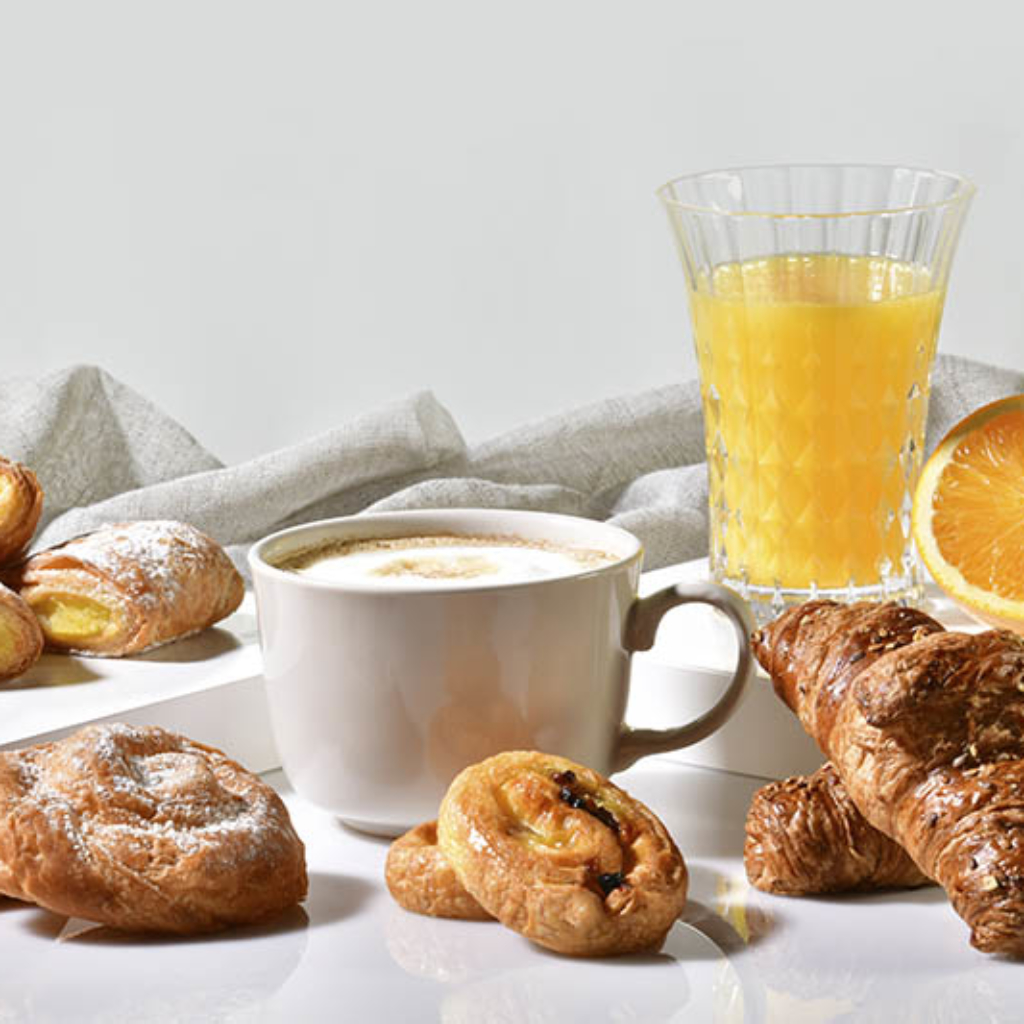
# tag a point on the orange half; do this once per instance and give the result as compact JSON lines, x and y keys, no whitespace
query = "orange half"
{"x":968,"y":517}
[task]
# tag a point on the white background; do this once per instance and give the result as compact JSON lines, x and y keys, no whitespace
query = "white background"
{"x":270,"y":216}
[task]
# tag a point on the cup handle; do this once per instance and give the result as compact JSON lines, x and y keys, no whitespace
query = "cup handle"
{"x":641,"y":627}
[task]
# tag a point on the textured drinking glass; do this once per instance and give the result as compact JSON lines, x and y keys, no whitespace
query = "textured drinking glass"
{"x":816,"y":294}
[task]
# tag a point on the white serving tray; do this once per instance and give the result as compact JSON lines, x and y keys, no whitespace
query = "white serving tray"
{"x":689,"y":667}
{"x":208,"y":687}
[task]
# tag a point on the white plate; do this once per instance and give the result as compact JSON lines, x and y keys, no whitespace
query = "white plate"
{"x":210,"y":687}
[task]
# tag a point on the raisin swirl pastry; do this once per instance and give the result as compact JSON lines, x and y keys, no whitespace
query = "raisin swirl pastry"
{"x":420,"y":879}
{"x":128,"y":587}
{"x":561,"y":855}
{"x":144,"y":830}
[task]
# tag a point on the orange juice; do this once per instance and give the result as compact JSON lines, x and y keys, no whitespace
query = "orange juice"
{"x":814,"y":371}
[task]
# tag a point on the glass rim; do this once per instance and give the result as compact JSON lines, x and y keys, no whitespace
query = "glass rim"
{"x":964,"y":190}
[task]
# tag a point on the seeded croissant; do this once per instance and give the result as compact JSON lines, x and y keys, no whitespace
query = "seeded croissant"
{"x":926,"y":730}
{"x":806,"y":836}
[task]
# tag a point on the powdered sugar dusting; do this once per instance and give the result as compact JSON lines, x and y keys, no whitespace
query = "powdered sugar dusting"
{"x":116,"y":784}
{"x":162,"y":551}
{"x":157,"y":580}
{"x":145,"y":830}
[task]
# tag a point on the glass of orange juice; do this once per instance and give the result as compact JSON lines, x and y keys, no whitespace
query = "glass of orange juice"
{"x":816,"y":293}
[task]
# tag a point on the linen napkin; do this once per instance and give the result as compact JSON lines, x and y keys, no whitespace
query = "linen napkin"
{"x":105,"y":453}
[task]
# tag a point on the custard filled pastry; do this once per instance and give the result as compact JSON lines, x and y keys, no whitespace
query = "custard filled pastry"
{"x":129,"y":587}
{"x":21,"y":504}
{"x":561,"y":855}
{"x":21,"y":639}
{"x":144,"y":830}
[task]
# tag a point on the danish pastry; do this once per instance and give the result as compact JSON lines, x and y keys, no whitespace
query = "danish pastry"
{"x":144,"y":830}
{"x":129,"y":587}
{"x":421,"y":880}
{"x":21,"y":639}
{"x":21,"y":504}
{"x":561,"y":855}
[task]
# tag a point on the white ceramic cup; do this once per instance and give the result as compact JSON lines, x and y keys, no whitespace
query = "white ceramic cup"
{"x":380,"y":694}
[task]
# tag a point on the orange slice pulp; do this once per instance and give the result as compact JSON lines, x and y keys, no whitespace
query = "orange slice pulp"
{"x":968,"y":517}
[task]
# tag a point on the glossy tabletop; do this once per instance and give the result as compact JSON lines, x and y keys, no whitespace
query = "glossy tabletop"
{"x":350,"y":954}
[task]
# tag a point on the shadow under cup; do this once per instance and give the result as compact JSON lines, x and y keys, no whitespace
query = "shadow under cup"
{"x":380,"y":692}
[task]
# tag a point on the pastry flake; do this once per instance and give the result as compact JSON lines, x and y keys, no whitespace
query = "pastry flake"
{"x":561,"y":855}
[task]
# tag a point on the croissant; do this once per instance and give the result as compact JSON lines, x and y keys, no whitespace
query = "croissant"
{"x":21,"y":639}
{"x":21,"y":504}
{"x":806,"y":836}
{"x":926,"y":730}
{"x":128,"y":587}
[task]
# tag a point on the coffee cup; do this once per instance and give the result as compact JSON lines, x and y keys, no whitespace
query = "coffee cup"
{"x":400,"y":647}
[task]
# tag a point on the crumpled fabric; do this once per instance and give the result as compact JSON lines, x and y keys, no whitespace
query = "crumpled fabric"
{"x":104,"y":453}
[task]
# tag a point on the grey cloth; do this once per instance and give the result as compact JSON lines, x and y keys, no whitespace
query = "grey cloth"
{"x":103,"y":453}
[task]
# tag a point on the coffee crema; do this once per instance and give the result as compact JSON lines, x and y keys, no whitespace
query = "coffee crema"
{"x":442,"y":559}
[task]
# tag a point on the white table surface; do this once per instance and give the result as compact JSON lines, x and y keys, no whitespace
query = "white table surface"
{"x":351,"y":954}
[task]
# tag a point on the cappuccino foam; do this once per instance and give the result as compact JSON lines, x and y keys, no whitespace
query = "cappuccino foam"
{"x":443,"y":560}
